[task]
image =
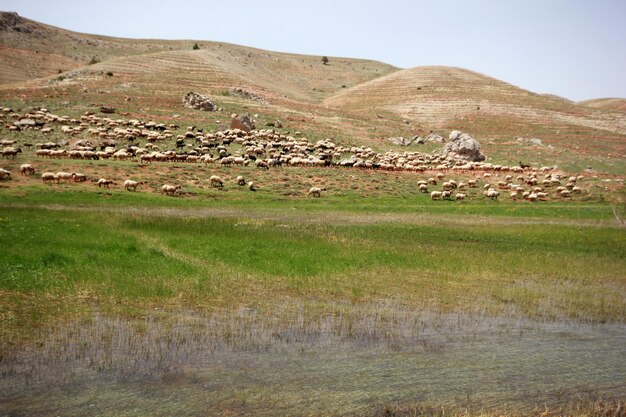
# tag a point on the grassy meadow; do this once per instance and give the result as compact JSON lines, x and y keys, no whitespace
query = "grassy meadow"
{"x":70,"y":260}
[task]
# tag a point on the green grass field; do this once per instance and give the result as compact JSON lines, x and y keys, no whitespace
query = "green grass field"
{"x":84,"y":254}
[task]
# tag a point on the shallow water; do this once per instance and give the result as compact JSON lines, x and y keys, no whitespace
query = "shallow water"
{"x":298,"y":362}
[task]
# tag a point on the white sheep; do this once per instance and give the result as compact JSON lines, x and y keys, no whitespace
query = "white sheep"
{"x":251,"y":186}
{"x":27,"y":169}
{"x":459,"y":196}
{"x":103,"y":182}
{"x":130,"y":185}
{"x":316,"y":191}
{"x":79,"y":177}
{"x":170,"y":189}
{"x":423,"y":188}
{"x":436,"y":195}
{"x":240,"y":180}
{"x":49,"y":177}
{"x":216,"y":181}
{"x":493,"y":193}
{"x":4,"y":174}
{"x":65,"y":176}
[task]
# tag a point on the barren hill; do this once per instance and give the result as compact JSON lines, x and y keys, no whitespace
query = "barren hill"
{"x":443,"y":96}
{"x":618,"y":104}
{"x":26,"y":48}
{"x":352,"y":100}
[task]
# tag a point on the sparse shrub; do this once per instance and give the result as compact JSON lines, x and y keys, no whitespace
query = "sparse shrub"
{"x":93,"y":60}
{"x":109,"y":74}
{"x":195,"y":46}
{"x":325,"y":60}
{"x":60,"y":71}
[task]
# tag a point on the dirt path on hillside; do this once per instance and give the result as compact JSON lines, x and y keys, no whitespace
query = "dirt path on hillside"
{"x":323,"y":217}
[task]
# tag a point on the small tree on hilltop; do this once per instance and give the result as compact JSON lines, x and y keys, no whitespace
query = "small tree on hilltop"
{"x":325,"y":60}
{"x":195,"y":46}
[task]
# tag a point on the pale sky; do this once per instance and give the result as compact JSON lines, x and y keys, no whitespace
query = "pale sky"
{"x":572,"y":48}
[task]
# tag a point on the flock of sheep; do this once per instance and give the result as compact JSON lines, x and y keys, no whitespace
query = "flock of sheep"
{"x":96,"y":138}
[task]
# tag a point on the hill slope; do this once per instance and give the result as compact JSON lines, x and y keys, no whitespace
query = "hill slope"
{"x":441,"y":96}
{"x":352,"y":100}
{"x":618,"y":104}
{"x":25,"y":47}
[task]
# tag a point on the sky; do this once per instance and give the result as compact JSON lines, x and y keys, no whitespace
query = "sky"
{"x":572,"y":48}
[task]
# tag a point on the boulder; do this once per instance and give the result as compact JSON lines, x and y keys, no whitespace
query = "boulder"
{"x":199,"y":101}
{"x":400,"y":141}
{"x":22,"y":123}
{"x":464,"y":147}
{"x":243,"y":93}
{"x":107,"y":109}
{"x":433,"y":137}
{"x":242,"y":122}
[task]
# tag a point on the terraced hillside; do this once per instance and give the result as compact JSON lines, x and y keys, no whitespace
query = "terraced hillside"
{"x":444,"y":98}
{"x":618,"y":104}
{"x":441,"y":96}
{"x":354,"y":101}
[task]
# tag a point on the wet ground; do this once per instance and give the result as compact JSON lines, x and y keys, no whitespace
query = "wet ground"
{"x":298,"y":362}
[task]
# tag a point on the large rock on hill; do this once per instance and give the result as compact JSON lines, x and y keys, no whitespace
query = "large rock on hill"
{"x":199,"y":101}
{"x":242,"y":122}
{"x":463,"y":146}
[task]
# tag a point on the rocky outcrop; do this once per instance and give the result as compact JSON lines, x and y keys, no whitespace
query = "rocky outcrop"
{"x":242,"y":122}
{"x":433,"y":137}
{"x":464,"y":147}
{"x":243,"y":93}
{"x":199,"y":101}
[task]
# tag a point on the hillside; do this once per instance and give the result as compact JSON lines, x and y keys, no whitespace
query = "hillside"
{"x":618,"y":104}
{"x":440,"y":96}
{"x":25,"y":47}
{"x":352,"y":100}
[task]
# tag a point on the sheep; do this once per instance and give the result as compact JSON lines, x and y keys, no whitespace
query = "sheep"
{"x":436,"y":195}
{"x":130,"y":185}
{"x":49,"y":177}
{"x":216,"y":181}
{"x":261,"y":164}
{"x":577,"y":190}
{"x":316,"y":191}
{"x":4,"y":174}
{"x":251,"y":186}
{"x":440,"y":175}
{"x":12,"y":152}
{"x":565,"y":193}
{"x":493,"y":194}
{"x":432,"y":181}
{"x":170,"y":189}
{"x":446,"y":194}
{"x":471,"y":183}
{"x":423,"y":188}
{"x":79,"y":177}
{"x":459,"y":196}
{"x":65,"y":176}
{"x":240,"y":180}
{"x":103,"y":182}
{"x":27,"y":169}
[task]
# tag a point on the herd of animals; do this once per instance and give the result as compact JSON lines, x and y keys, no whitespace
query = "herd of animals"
{"x":93,"y":137}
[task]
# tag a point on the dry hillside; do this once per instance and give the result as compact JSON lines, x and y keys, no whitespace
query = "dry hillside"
{"x":351,"y":100}
{"x":606,"y":103}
